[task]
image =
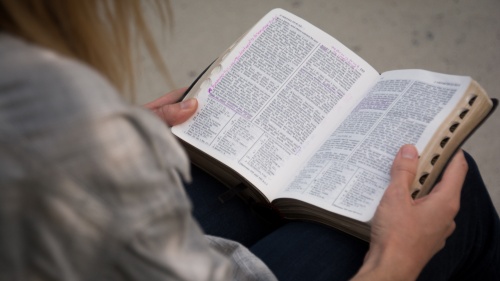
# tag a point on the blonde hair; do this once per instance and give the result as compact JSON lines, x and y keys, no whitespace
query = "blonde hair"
{"x":106,"y":34}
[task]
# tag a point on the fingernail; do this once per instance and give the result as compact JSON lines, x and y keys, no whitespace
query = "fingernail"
{"x":409,"y":152}
{"x":187,"y":104}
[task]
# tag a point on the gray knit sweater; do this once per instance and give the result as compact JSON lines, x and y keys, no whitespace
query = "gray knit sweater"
{"x":90,"y":186}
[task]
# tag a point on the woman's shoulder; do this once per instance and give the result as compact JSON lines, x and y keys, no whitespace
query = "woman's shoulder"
{"x":60,"y":105}
{"x":41,"y":81}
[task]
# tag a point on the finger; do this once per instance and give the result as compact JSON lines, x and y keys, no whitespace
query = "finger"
{"x":448,"y":190}
{"x":177,"y":113}
{"x":454,"y":175}
{"x":404,"y":168}
{"x":169,"y":98}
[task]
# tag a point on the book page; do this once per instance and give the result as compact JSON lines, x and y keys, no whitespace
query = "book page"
{"x":350,"y":172}
{"x":262,"y":106}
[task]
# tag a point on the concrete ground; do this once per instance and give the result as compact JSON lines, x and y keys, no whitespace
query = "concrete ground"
{"x":449,"y":36}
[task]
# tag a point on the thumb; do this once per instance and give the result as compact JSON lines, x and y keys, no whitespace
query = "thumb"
{"x":404,"y":168}
{"x":177,"y":113}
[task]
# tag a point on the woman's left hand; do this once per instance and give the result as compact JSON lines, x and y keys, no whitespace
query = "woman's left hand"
{"x":171,"y":111}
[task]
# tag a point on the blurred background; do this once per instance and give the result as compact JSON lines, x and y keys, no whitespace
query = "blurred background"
{"x":450,"y":36}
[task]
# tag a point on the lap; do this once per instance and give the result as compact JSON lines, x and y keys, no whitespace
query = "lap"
{"x":301,"y":249}
{"x":233,"y":219}
{"x":308,"y":251}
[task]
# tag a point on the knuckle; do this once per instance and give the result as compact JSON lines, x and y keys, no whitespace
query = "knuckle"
{"x":462,"y":162}
{"x":453,"y":207}
{"x":464,"y":165}
{"x":404,"y":169}
{"x":453,"y":226}
{"x":166,"y":109}
{"x":168,"y":114}
{"x":450,"y":229}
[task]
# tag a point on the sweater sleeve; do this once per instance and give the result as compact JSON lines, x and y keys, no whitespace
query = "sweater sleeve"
{"x":97,"y":183}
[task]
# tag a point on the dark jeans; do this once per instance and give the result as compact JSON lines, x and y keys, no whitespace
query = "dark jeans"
{"x":297,"y":250}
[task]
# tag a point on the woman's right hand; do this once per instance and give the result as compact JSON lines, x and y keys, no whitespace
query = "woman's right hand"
{"x":406,"y":233}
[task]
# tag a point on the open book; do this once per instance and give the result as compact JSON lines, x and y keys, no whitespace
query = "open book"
{"x":306,"y":125}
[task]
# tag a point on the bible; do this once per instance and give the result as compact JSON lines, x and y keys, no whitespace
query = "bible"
{"x":292,"y":119}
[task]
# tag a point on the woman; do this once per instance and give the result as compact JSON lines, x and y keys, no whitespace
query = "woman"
{"x":92,"y":186}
